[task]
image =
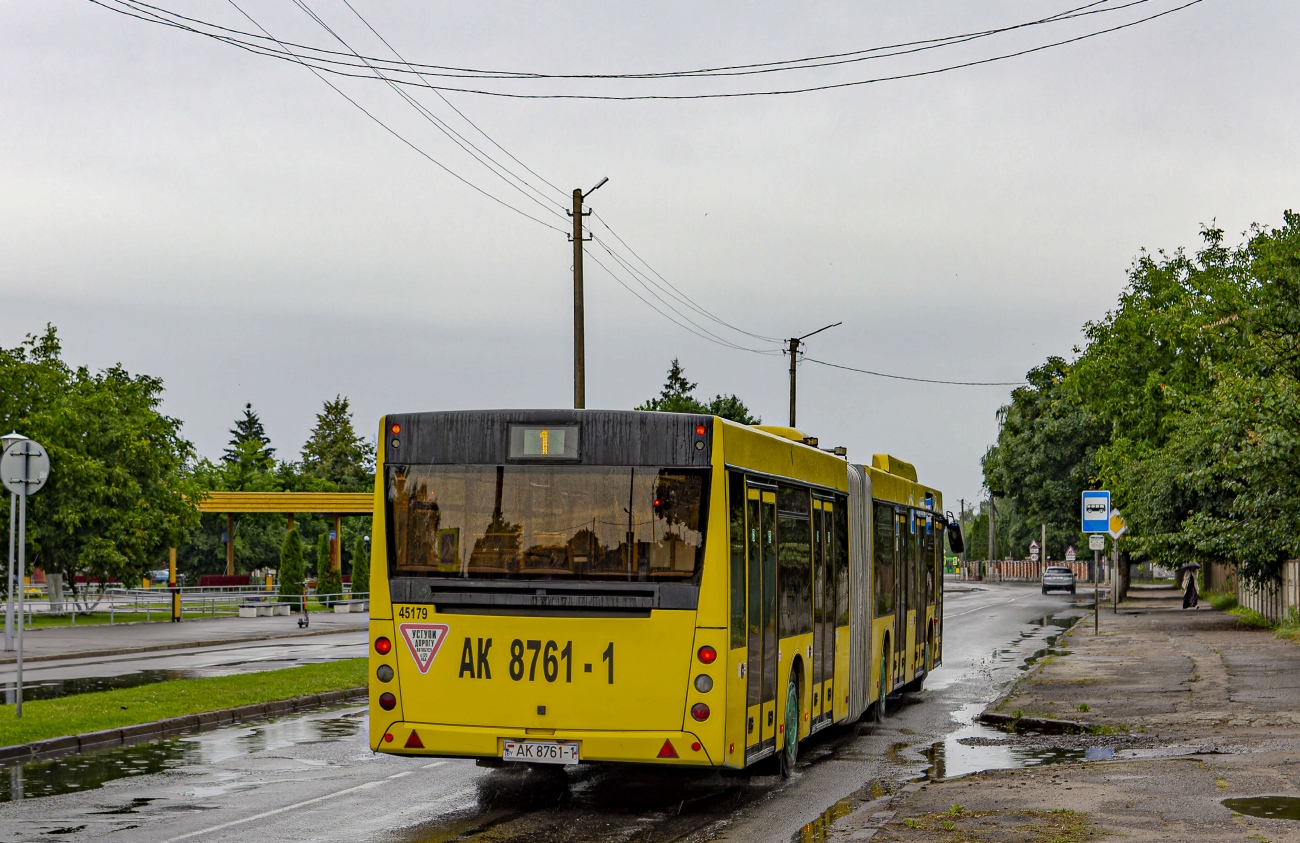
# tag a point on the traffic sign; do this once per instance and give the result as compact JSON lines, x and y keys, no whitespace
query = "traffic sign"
{"x":1096,"y":542}
{"x":1069,"y":553}
{"x":1096,"y":512}
{"x":1033,"y":547}
{"x":1033,"y":557}
{"x":1116,"y":526}
{"x":25,"y":467}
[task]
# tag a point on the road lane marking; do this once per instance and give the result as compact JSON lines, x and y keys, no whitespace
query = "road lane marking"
{"x":988,"y":606}
{"x":303,"y":804}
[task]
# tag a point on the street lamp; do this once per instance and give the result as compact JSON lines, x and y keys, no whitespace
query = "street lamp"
{"x":7,"y":441}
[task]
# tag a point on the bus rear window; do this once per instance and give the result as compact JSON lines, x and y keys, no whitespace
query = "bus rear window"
{"x":546,"y":522}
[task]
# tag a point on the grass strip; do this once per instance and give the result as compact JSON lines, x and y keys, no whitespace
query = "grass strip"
{"x":92,"y":712}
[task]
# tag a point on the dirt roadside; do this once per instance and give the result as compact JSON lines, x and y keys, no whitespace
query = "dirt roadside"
{"x":1185,"y":709}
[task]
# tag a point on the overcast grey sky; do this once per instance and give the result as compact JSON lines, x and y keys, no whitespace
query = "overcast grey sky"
{"x":229,"y":223}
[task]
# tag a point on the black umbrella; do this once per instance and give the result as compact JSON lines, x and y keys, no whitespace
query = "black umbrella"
{"x":1190,"y":566}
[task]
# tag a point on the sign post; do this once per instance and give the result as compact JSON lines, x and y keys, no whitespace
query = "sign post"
{"x":5,"y":441}
{"x":24,"y":468}
{"x":1117,"y":527}
{"x":1096,"y":519}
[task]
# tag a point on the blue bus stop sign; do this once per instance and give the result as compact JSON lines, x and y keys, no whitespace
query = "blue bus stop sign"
{"x":1096,"y":512}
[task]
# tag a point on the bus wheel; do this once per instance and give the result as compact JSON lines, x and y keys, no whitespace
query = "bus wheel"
{"x":790,"y":750}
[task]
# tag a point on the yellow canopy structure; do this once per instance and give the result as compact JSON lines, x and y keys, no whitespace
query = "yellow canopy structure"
{"x":337,"y":504}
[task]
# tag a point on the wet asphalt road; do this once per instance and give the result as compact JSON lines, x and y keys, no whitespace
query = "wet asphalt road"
{"x":311,"y":777}
{"x":60,"y":677}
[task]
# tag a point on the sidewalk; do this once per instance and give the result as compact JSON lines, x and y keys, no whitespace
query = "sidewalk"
{"x":1195,"y":708}
{"x":92,"y":640}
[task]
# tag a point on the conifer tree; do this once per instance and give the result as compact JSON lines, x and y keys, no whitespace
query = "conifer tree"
{"x":249,"y":442}
{"x":360,"y":566}
{"x":291,"y":568}
{"x":335,"y":452}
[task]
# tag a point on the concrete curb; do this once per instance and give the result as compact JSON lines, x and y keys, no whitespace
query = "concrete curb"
{"x":175,"y":645}
{"x":989,"y":710}
{"x":141,"y":732}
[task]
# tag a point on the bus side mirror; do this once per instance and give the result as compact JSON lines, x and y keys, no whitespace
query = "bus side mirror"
{"x":955,"y":539}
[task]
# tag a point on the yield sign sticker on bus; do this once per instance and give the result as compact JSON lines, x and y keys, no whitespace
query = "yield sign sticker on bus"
{"x":424,"y":641}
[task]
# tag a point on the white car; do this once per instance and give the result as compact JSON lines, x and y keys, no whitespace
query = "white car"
{"x":1059,"y":578}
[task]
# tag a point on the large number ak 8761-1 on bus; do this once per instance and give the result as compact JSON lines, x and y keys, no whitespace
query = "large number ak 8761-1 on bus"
{"x":566,"y":586}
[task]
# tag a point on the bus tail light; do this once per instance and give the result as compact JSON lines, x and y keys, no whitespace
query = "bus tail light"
{"x":700,"y":430}
{"x":700,"y":711}
{"x":667,"y":750}
{"x":383,"y":646}
{"x":387,"y":702}
{"x":395,"y":428}
{"x":414,"y":742}
{"x":707,"y":654}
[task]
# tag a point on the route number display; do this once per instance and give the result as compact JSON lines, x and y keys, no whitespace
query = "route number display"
{"x":539,"y":752}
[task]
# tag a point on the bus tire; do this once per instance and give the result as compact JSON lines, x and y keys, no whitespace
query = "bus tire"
{"x":788,"y":752}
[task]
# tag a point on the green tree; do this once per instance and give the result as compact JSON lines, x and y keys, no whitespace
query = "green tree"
{"x":335,"y":452}
{"x":247,"y":465}
{"x":1184,"y":402}
{"x":1044,"y":457}
{"x":292,"y":573}
{"x":249,"y":442}
{"x":120,"y":492}
{"x":360,"y":565}
{"x":678,"y":396}
{"x":331,"y":581}
{"x":322,"y":557}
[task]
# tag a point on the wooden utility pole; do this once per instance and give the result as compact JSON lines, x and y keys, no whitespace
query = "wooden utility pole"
{"x":793,"y":351}
{"x":230,"y":545}
{"x":579,"y":327}
{"x":579,"y":318}
{"x":794,"y":357}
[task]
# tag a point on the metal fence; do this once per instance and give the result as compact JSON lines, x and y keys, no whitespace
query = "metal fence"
{"x":1275,"y":601}
{"x":1017,"y":570}
{"x":127,"y":605}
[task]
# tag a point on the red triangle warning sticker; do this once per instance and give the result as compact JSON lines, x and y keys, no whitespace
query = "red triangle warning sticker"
{"x":424,"y":641}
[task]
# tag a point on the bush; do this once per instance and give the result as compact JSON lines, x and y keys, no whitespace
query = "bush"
{"x":360,"y":566}
{"x":1222,"y":602}
{"x":1249,"y":617}
{"x":291,"y":568}
{"x":1290,"y":627}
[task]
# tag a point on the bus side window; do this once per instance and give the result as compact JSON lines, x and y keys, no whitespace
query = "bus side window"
{"x":736,"y":520}
{"x":883,"y":520}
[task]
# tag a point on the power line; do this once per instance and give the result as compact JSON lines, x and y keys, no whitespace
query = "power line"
{"x":917,"y":380}
{"x":695,"y":328}
{"x":400,"y":137}
{"x":481,"y":157}
{"x":784,"y":65}
{"x":685,"y":299}
{"x":154,"y":14}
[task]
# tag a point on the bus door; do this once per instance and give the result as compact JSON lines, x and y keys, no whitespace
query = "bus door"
{"x":903,"y":597}
{"x":760,"y":702}
{"x":823,"y":656}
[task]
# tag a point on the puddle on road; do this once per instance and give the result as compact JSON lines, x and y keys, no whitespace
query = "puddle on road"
{"x":819,"y":830}
{"x":974,"y":747}
{"x":50,"y":689}
{"x":1267,"y":807}
{"x":90,"y":770}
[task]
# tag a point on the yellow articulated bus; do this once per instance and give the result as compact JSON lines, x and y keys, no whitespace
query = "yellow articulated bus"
{"x":561,"y":586}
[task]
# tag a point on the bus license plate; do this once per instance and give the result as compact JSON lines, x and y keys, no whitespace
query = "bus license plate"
{"x":539,"y":752}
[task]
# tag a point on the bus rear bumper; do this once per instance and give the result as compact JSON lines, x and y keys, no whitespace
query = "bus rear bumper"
{"x":431,"y":739}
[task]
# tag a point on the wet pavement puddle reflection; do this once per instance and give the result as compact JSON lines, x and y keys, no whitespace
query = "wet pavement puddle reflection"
{"x":90,"y":770}
{"x":1266,"y":807}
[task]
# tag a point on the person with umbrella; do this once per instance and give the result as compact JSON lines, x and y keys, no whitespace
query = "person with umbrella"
{"x":1191,"y":595}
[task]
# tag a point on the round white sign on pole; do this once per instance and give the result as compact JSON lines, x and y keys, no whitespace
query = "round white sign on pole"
{"x":25,"y":467}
